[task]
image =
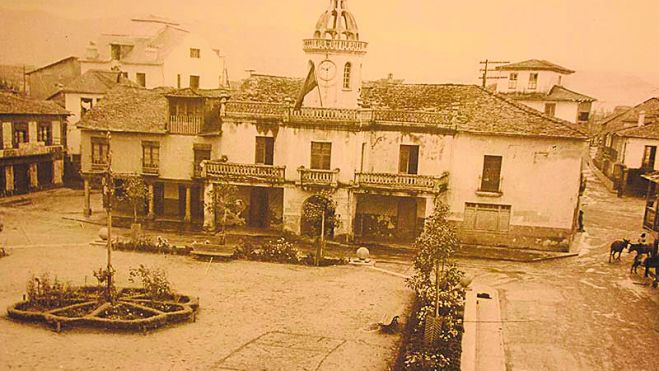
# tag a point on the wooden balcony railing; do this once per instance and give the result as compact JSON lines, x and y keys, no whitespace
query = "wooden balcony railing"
{"x":184,"y":124}
{"x":316,"y":177}
{"x":402,"y":182}
{"x":244,"y":173}
{"x":152,"y":169}
{"x":31,"y":149}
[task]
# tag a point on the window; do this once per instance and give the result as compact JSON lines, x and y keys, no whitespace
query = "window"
{"x":512,"y":81}
{"x":20,"y":133}
{"x":45,"y":133}
{"x":124,"y":75}
{"x":491,"y":179}
{"x":265,"y":150}
{"x":195,"y":53}
{"x":487,"y":217}
{"x":583,"y":116}
{"x":194,"y":82}
{"x":347,"y":70}
{"x":201,"y":152}
{"x":86,"y":104}
{"x":408,"y":160}
{"x":648,"y":157}
{"x":115,"y":52}
{"x":550,"y":109}
{"x":321,"y":154}
{"x":140,"y":78}
{"x":533,"y":81}
{"x":150,"y":154}
{"x":100,"y":150}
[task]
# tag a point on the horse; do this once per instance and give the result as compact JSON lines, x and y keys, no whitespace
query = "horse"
{"x":617,"y":247}
{"x":641,"y":249}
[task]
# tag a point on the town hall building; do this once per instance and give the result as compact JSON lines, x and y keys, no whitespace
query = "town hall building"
{"x":383,"y":151}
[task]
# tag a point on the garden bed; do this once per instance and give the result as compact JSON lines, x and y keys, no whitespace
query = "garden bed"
{"x":131,"y":311}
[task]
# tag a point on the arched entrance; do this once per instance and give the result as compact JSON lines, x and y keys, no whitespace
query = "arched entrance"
{"x":315,"y":209}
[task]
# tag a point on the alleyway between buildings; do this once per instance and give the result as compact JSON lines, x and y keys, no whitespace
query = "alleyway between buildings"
{"x":577,"y":313}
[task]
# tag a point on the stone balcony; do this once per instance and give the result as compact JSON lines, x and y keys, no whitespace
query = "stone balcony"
{"x":402,"y":182}
{"x":244,"y":174}
{"x":31,"y":149}
{"x":317,"y":177}
{"x":153,"y":170}
{"x":323,"y":46}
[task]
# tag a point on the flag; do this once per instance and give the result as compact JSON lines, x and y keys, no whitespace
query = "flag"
{"x":309,"y":84}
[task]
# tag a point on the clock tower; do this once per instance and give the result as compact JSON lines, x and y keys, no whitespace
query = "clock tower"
{"x":337,"y":54}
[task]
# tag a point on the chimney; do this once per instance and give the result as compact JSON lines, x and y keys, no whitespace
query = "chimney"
{"x":641,"y":118}
{"x":91,"y":51}
{"x":390,"y":77}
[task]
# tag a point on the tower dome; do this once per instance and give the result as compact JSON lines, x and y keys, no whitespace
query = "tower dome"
{"x":337,"y":23}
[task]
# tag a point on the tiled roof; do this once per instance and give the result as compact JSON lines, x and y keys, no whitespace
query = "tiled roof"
{"x":18,"y":105}
{"x":534,"y":64}
{"x":557,"y":93}
{"x":95,"y":82}
{"x":205,"y":93}
{"x":64,"y":60}
{"x":130,"y":109}
{"x":478,"y":110}
{"x":626,"y":122}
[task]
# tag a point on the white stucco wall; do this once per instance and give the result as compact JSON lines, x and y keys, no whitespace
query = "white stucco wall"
{"x":72,"y":104}
{"x":209,"y":67}
{"x":567,"y":111}
{"x":332,"y":94}
{"x":634,"y":149}
{"x":546,"y":79}
{"x":540,"y":177}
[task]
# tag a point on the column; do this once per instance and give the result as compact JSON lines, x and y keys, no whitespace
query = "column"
{"x":87,"y":210}
{"x":188,"y":213}
{"x":57,"y":171}
{"x":209,"y":207}
{"x":34,"y":176}
{"x":32,"y":131}
{"x":152,"y":214}
{"x":9,"y":179}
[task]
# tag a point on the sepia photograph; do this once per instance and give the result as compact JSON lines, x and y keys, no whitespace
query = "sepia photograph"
{"x":329,"y":185}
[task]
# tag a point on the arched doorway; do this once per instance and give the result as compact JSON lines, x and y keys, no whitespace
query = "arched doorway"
{"x":314,"y":210}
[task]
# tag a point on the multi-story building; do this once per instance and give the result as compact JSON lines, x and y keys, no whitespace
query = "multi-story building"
{"x":47,"y":80}
{"x":628,"y":146}
{"x":157,"y":52}
{"x":539,"y":84}
{"x":33,"y":134}
{"x":385,"y":152}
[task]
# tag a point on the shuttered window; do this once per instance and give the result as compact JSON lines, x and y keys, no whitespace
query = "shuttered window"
{"x":265,"y":147}
{"x":321,"y":155}
{"x":487,"y":217}
{"x":408,"y":160}
{"x":491,"y":178}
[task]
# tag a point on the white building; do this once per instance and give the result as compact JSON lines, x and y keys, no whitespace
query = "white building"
{"x":540,"y":85}
{"x":158,"y":52}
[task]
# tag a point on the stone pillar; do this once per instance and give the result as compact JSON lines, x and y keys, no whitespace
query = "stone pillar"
{"x":9,"y":179}
{"x":34,"y":176}
{"x":32,"y":131}
{"x":87,"y":210}
{"x":58,"y":166}
{"x":430,"y":206}
{"x":352,"y":214}
{"x":209,"y":207}
{"x":57,"y":132}
{"x":293,"y":198}
{"x":152,"y":213}
{"x":188,"y":213}
{"x":7,"y":134}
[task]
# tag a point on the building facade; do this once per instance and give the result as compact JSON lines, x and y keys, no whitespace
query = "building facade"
{"x":45,"y":81}
{"x":384,"y":155}
{"x":628,"y":146}
{"x":156,"y":52}
{"x":540,"y":85}
{"x":33,"y":136}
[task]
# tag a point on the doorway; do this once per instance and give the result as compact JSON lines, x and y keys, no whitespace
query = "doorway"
{"x":258,"y":208}
{"x":406,"y":217}
{"x":21,"y":178}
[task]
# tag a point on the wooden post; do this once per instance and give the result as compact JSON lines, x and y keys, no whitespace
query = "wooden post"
{"x":109,"y":185}
{"x":188,"y":214}
{"x":151,"y":214}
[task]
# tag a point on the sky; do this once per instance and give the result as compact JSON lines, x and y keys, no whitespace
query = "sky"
{"x":611,"y":44}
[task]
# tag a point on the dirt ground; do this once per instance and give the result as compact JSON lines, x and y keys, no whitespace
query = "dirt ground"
{"x":578,"y":313}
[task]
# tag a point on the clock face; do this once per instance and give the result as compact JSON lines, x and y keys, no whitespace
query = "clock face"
{"x":326,"y":70}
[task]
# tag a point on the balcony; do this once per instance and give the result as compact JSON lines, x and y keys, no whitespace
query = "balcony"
{"x":322,"y":45}
{"x":402,"y":182}
{"x":152,"y":169}
{"x":243,"y":173}
{"x":184,"y":124}
{"x":31,"y":149}
{"x":319,"y":178}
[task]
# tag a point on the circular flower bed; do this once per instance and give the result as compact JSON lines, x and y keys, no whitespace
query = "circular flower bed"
{"x":132,"y":311}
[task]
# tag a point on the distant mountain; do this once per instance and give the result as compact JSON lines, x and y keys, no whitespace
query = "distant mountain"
{"x":11,"y":77}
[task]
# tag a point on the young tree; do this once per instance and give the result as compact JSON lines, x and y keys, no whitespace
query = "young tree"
{"x":135,"y":192}
{"x":320,"y":214}
{"x":227,"y":206}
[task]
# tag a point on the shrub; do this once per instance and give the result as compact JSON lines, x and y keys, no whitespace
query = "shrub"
{"x":245,"y":250}
{"x":146,"y":244}
{"x":41,"y":292}
{"x":154,"y":282}
{"x":280,"y":251}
